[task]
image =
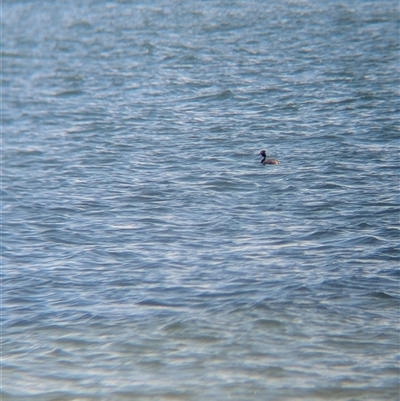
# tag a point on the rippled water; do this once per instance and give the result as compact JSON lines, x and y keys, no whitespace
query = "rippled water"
{"x":147,"y":254}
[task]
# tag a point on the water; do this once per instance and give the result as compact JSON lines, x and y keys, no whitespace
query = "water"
{"x":147,"y":254}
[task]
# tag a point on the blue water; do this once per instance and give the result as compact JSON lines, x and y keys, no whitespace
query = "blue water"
{"x":146,"y":252}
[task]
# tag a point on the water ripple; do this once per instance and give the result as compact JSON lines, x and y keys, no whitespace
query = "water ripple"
{"x":147,"y":253}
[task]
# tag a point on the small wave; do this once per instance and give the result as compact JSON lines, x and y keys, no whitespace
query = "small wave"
{"x":68,"y":93}
{"x":361,"y":240}
{"x":381,"y":295}
{"x":81,"y":25}
{"x":269,"y":323}
{"x":224,"y":95}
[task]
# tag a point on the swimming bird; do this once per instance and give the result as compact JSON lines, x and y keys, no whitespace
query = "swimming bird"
{"x":268,"y":161}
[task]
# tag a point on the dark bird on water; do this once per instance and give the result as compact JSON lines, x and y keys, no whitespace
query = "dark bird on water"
{"x":267,"y":161}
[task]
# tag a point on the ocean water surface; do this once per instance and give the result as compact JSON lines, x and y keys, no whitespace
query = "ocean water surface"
{"x":146,"y":252}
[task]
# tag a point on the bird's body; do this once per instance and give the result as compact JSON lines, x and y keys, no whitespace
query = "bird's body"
{"x":267,"y":161}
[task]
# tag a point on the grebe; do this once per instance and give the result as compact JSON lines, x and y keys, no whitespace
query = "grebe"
{"x":268,"y":161}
